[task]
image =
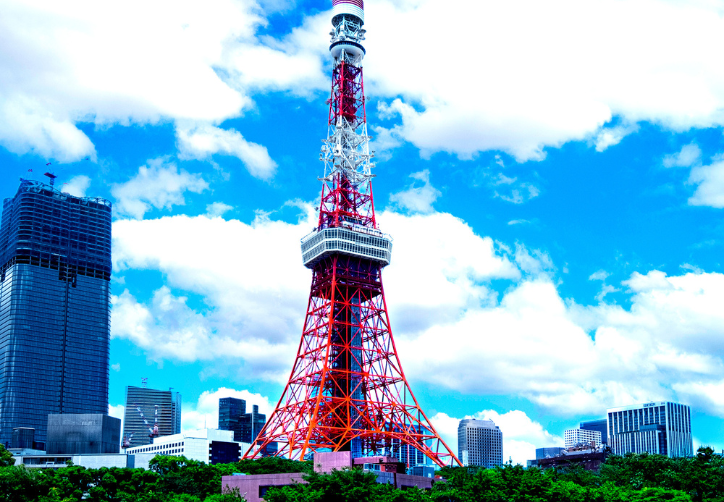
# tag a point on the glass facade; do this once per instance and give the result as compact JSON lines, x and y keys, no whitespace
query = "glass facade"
{"x":148,"y":407}
{"x":597,"y":425}
{"x":55,"y":267}
{"x":233,"y":417}
{"x":662,"y":428}
{"x":480,"y":443}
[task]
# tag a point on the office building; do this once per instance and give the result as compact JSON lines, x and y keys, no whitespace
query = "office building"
{"x":55,"y":269}
{"x":148,"y":410}
{"x":23,"y":438}
{"x":480,"y":443}
{"x":573,"y":437}
{"x":663,"y":428}
{"x":548,"y":452}
{"x":212,"y":446}
{"x":83,"y":433}
{"x":233,"y":417}
{"x":597,"y":425}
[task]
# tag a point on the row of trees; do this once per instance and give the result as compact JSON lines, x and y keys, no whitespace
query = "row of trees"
{"x":632,"y":478}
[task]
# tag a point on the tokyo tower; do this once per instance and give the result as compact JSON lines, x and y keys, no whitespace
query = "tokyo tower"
{"x":347,"y":390}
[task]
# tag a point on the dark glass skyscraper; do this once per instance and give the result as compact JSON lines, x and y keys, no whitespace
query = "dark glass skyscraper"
{"x":233,"y":417}
{"x":55,"y":268}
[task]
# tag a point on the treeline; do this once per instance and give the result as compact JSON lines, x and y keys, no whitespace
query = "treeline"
{"x":168,"y":479}
{"x":633,"y":478}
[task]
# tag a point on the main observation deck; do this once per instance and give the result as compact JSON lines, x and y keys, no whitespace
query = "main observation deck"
{"x":354,"y":241}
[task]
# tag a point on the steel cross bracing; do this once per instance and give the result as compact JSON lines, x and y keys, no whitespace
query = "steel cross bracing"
{"x":347,"y":389}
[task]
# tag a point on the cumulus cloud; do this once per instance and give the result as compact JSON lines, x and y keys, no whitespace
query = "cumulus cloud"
{"x":534,"y":98}
{"x":157,"y":185}
{"x":417,"y":199}
{"x":709,"y":181}
{"x":521,"y":435}
{"x":178,"y":60}
{"x":256,"y":288}
{"x":452,"y":328}
{"x":576,"y":359}
{"x":203,"y":140}
{"x":204,"y":64}
{"x":686,"y":157}
{"x":77,"y":185}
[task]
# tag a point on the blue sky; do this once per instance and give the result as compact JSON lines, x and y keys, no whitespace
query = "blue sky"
{"x":553,"y":177}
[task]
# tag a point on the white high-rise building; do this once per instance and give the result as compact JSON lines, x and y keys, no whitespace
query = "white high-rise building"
{"x":663,"y":428}
{"x":211,"y":446}
{"x":480,"y":443}
{"x":572,"y":437}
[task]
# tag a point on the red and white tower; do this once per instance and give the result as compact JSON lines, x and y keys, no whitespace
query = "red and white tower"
{"x":347,"y":390}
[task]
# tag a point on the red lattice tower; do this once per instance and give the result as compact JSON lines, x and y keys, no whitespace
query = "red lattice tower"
{"x":347,"y":390}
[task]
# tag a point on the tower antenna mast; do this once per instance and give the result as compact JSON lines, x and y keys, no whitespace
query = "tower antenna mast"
{"x":347,"y":390}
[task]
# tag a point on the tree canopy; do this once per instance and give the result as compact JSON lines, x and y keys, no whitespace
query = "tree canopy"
{"x":630,"y":478}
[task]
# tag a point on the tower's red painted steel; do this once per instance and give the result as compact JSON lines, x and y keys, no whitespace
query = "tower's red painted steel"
{"x":347,"y":390}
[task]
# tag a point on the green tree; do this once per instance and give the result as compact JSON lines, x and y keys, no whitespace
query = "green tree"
{"x":6,"y":458}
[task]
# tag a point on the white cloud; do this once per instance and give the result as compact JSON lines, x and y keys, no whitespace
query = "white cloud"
{"x":77,"y":185}
{"x":417,"y":199}
{"x":451,"y":329}
{"x":256,"y":287}
{"x":599,"y":275}
{"x":575,"y":359}
{"x":536,"y":263}
{"x":116,"y":367}
{"x":203,"y":140}
{"x":218,"y":209}
{"x":117,"y":411}
{"x":611,"y":136}
{"x":523,"y":94}
{"x":523,"y":192}
{"x":686,"y":157}
{"x":521,"y":435}
{"x":157,"y":185}
{"x":114,"y":63}
{"x":205,"y":412}
{"x":517,"y":222}
{"x":710,"y":185}
{"x":181,"y":61}
{"x":605,"y":290}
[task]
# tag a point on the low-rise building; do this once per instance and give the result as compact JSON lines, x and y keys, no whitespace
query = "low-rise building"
{"x":207,"y":445}
{"x":589,"y":458}
{"x":73,"y":433}
{"x":387,"y":469}
{"x":34,"y":459}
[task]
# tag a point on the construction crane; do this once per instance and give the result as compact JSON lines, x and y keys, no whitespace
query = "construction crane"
{"x":126,"y":443}
{"x":153,"y":431}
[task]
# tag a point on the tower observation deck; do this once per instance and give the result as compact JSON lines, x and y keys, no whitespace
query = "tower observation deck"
{"x":347,"y":390}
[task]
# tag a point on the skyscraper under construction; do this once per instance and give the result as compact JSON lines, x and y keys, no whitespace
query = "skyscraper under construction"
{"x":55,"y":269}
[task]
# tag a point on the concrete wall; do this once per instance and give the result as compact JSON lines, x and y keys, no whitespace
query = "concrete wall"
{"x":251,"y":487}
{"x":332,"y":460}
